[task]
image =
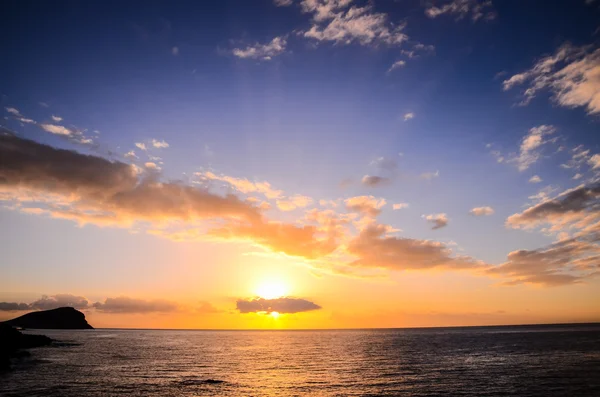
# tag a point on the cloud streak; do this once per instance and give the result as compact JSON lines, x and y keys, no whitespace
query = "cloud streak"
{"x":284,"y":305}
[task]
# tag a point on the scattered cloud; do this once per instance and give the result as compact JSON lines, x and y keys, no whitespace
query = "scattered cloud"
{"x":385,"y":163}
{"x":57,"y":119}
{"x":175,"y":51}
{"x":151,"y":166}
{"x":438,"y":220}
{"x":366,"y":205}
{"x":126,"y":305}
{"x":481,"y":211}
{"x":243,"y":185}
{"x":130,"y":155}
{"x":341,"y":23}
{"x":293,"y":202}
{"x":284,"y":305}
{"x":396,"y":65}
{"x":477,"y":9}
{"x":594,"y":161}
{"x":571,"y":74}
{"x":13,"y":111}
{"x":375,"y":181}
{"x":399,"y":206}
{"x":529,"y":150}
{"x":430,"y":175}
{"x":44,"y":104}
{"x":373,"y":247}
{"x":283,"y":3}
{"x":141,"y":146}
{"x":535,"y":179}
{"x":56,"y":129}
{"x":159,"y":144}
{"x":409,"y":116}
{"x":264,"y":52}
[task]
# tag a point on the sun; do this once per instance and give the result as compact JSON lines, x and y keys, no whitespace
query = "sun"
{"x":275,"y":315}
{"x":271,"y":289}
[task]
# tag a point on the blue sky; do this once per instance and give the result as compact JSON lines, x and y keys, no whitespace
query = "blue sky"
{"x":312,"y":104}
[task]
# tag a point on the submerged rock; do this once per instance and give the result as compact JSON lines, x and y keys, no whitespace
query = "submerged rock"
{"x":12,"y":342}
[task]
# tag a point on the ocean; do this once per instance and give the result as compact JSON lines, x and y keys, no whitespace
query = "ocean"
{"x":559,"y":360}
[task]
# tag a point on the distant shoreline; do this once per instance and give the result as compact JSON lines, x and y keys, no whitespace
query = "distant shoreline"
{"x":556,"y":325}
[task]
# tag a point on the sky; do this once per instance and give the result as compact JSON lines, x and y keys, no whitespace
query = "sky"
{"x":301,"y":163}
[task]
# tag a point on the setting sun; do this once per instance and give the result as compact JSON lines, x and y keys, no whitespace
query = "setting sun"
{"x":271,"y":289}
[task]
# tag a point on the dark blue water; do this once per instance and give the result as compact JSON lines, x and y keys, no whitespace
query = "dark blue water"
{"x":487,"y":361}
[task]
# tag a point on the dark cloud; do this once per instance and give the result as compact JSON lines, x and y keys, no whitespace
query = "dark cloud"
{"x":13,"y":306}
{"x":60,"y":300}
{"x":375,"y":181}
{"x":48,"y":302}
{"x":280,"y":305}
{"x":374,"y":248}
{"x":123,"y":304}
{"x":91,"y":189}
{"x":570,"y":205}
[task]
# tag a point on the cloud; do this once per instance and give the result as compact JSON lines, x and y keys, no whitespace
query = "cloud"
{"x":594,"y":161}
{"x":337,"y":21}
{"x":159,"y":144}
{"x":564,"y":262}
{"x":56,"y":118}
{"x":384,"y":163}
{"x":243,"y":185}
{"x":126,"y":305}
{"x":366,"y":205}
{"x":130,"y":155}
{"x":529,"y":150}
{"x":374,"y":248}
{"x":569,"y":206}
{"x":439,"y":220}
{"x":263,"y":52}
{"x":56,"y":129}
{"x":535,"y":179}
{"x":293,"y":202}
{"x":91,"y":189}
{"x":151,"y":166}
{"x":571,"y":74}
{"x":299,"y":241}
{"x":396,"y":65}
{"x":283,"y":3}
{"x":60,"y":300}
{"x":282,"y":305}
{"x":175,"y":51}
{"x":141,"y":146}
{"x":481,"y":211}
{"x":478,"y":9}
{"x":430,"y":175}
{"x":409,"y":116}
{"x":375,"y":181}
{"x":13,"y":306}
{"x":13,"y":111}
{"x":399,"y":206}
{"x":26,"y":120}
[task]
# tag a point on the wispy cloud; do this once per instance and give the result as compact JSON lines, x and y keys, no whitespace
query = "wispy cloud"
{"x":399,"y":206}
{"x":408,"y":116}
{"x":535,"y":179}
{"x":56,"y":119}
{"x":477,"y":9}
{"x":159,"y":144}
{"x":342,"y":23}
{"x":571,"y":74}
{"x":264,"y":52}
{"x":396,"y":65}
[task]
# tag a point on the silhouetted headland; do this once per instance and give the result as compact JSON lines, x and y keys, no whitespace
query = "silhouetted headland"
{"x":61,"y":318}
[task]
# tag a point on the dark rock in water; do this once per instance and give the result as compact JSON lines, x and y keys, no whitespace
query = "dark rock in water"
{"x":12,"y":341}
{"x":61,"y":318}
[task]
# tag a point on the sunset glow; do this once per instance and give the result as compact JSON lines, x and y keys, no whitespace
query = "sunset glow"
{"x":321,"y":163}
